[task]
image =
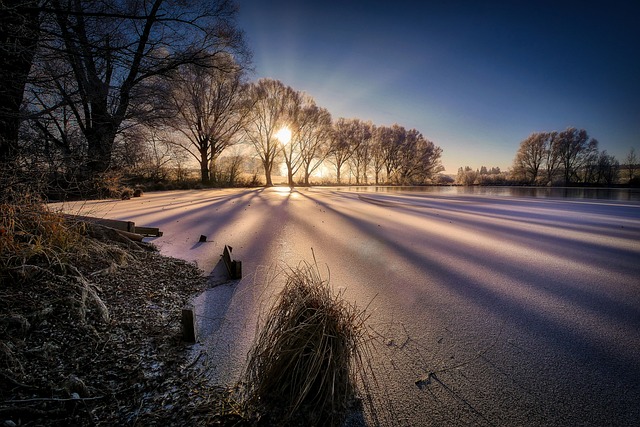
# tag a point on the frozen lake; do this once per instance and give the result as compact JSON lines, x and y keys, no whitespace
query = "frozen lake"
{"x":528,"y":307}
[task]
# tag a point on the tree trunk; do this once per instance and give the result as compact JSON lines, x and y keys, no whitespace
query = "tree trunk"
{"x":267,"y":173}
{"x":204,"y":167}
{"x":100,"y":140}
{"x":19,"y":33}
{"x":290,"y":178}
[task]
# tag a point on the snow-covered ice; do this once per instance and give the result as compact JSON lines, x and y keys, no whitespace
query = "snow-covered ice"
{"x":529,"y":308}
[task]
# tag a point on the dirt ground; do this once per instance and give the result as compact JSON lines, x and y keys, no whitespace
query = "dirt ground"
{"x":97,"y":341}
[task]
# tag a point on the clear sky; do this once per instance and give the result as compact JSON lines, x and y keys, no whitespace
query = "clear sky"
{"x":475,"y":77}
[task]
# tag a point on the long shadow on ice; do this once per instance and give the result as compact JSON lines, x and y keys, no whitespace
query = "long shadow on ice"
{"x":621,"y":365}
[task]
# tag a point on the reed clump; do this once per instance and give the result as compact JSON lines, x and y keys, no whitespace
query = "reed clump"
{"x":307,"y":357}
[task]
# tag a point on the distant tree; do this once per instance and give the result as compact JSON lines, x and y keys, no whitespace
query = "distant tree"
{"x":269,"y":102}
{"x":632,"y":164}
{"x":466,"y":176}
{"x":229,"y":169}
{"x":144,"y":152}
{"x":608,"y":169}
{"x":208,"y":109}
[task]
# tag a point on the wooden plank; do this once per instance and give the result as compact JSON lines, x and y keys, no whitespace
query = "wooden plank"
{"x":189,"y":331}
{"x":148,"y":231}
{"x":128,"y":226}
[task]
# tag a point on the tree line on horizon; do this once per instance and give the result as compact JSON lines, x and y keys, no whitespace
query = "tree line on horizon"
{"x":563,"y":158}
{"x":94,"y":90}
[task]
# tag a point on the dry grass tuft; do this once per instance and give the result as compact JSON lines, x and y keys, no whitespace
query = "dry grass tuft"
{"x":309,"y":354}
{"x":31,"y":233}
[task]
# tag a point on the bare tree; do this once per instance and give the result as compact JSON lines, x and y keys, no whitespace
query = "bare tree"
{"x":114,"y":48}
{"x":531,"y":156}
{"x":575,"y":149}
{"x":361,"y":134}
{"x":296,"y":122}
{"x":314,"y":141}
{"x":342,"y":144}
{"x":380,"y":137}
{"x":552,"y":159}
{"x":208,"y":110}
{"x":392,"y":149}
{"x":608,"y":169}
{"x":269,"y":99}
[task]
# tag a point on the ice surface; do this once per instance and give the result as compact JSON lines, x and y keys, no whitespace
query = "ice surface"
{"x":529,"y":308}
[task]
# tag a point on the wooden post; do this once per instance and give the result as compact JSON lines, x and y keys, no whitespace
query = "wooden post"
{"x":189,"y":331}
{"x":234,"y":268}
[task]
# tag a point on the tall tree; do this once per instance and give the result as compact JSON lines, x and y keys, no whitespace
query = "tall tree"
{"x":361,"y":134}
{"x":19,"y":35}
{"x":531,"y":156}
{"x":314,"y":140}
{"x":270,"y":99}
{"x":608,"y":169}
{"x":392,"y":148}
{"x":297,"y":122}
{"x":114,"y":48}
{"x":575,"y":148}
{"x":552,"y":159}
{"x":208,"y":109}
{"x":342,"y":144}
{"x":379,"y":138}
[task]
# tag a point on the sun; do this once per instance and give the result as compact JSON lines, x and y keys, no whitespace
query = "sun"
{"x":284,"y":135}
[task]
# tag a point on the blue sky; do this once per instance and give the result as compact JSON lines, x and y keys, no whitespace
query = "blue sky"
{"x":475,"y":77}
